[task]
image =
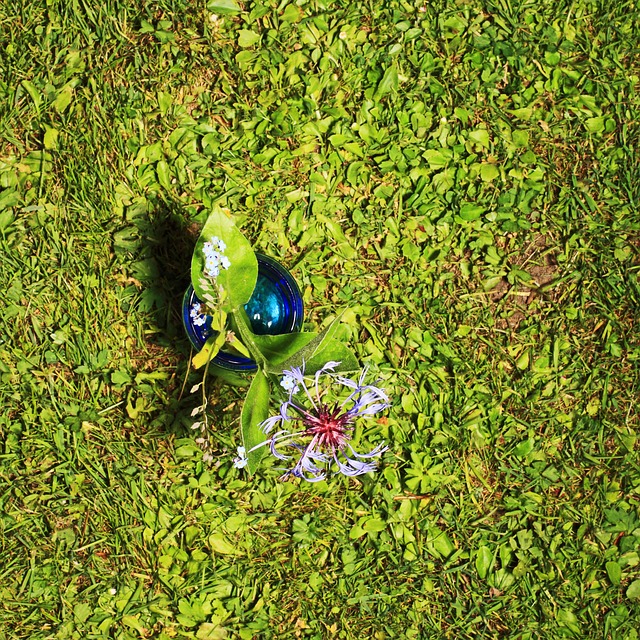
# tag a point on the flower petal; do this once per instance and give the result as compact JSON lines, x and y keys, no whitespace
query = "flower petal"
{"x":270,"y":423}
{"x":241,"y":460}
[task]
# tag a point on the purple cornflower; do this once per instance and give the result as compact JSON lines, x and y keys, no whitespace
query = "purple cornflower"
{"x":317,"y":430}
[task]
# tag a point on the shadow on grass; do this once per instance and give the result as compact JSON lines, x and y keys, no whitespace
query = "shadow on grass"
{"x":167,"y":238}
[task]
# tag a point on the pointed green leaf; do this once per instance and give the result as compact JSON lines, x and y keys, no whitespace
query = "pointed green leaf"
{"x":484,"y":560}
{"x":211,"y":631}
{"x":248,"y":38}
{"x":633,"y":591}
{"x":278,"y":349}
{"x":525,"y":448}
{"x":313,"y":347}
{"x":335,"y":351}
{"x":489,"y":172}
{"x":50,"y":137}
{"x":480,"y":137}
{"x":239,"y":280}
{"x":82,"y":611}
{"x":63,"y":99}
{"x":223,"y":7}
{"x":30,"y":88}
{"x":219,"y":543}
{"x":165,"y":101}
{"x":209,"y":351}
{"x":614,"y":572}
{"x":388,"y":83}
{"x":594,"y":125}
{"x":371,"y":525}
{"x":520,"y":138}
{"x":470,"y":211}
{"x":234,"y":343}
{"x":254,"y":412}
{"x":438,"y":543}
{"x":164,"y":174}
{"x":437,"y":158}
{"x":292,"y":13}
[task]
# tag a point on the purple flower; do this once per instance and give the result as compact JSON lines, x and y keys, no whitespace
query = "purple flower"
{"x":315,"y":430}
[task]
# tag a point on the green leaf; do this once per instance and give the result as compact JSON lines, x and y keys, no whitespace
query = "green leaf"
{"x":187,"y":451}
{"x":8,"y":198}
{"x":520,"y":138}
{"x":552,"y":58}
{"x":388,"y":83}
{"x":356,"y":532}
{"x":120,"y":377}
{"x":525,"y":448}
{"x":50,"y":137}
{"x":614,"y":572}
{"x":239,"y":280}
{"x":317,"y":348}
{"x":228,"y":376}
{"x":245,"y":58}
{"x":165,"y":101}
{"x":209,"y":351}
{"x":211,"y":631}
{"x":470,"y":211}
{"x":292,"y":14}
{"x":523,"y":361}
{"x":523,"y":113}
{"x":296,"y":194}
{"x":337,"y":140}
{"x":335,"y":351}
{"x":277,"y":349}
{"x":443,"y":181}
{"x":164,"y":174}
{"x":82,"y":611}
{"x":437,"y":158}
{"x":134,"y":623}
{"x":489,"y":172}
{"x":6,"y":219}
{"x":484,"y":560}
{"x":223,"y":7}
{"x":254,"y":412}
{"x":438,"y":543}
{"x":355,"y":170}
{"x":219,"y":543}
{"x":234,"y":343}
{"x":372,"y":525}
{"x":63,"y":99}
{"x":594,"y":125}
{"x":248,"y":38}
{"x":30,"y":88}
{"x":480,"y":137}
{"x":242,"y":324}
{"x":633,"y":591}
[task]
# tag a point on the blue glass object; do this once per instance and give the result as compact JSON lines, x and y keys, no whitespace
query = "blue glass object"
{"x":275,"y":308}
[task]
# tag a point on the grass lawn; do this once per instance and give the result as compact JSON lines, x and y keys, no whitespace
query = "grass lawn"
{"x":462,"y":177}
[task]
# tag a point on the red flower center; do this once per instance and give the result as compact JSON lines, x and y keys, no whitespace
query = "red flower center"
{"x":329,"y":426}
